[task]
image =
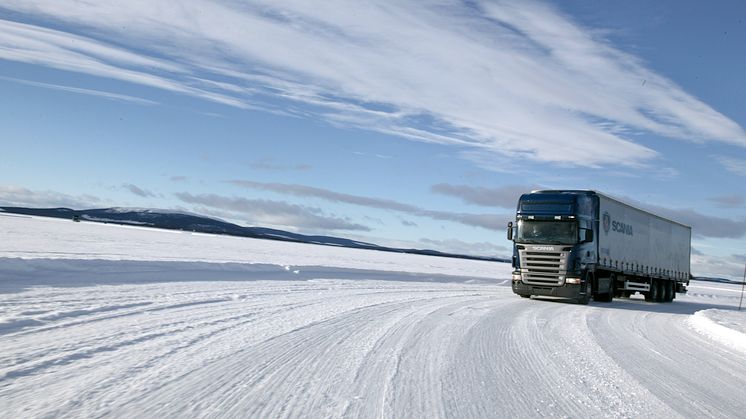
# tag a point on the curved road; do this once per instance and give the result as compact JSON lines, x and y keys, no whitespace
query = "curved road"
{"x":362,"y":348}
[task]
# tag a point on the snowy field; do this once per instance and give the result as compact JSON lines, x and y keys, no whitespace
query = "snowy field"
{"x":110,"y":321}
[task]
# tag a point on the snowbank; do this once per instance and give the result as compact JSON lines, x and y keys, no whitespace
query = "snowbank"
{"x":724,"y":326}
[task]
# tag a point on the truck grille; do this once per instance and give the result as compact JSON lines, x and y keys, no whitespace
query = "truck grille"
{"x":543,"y":268}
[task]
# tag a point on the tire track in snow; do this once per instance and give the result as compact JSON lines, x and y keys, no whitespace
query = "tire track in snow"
{"x":127,"y":373}
{"x":538,"y":358}
{"x":363,"y":349}
{"x":656,"y":347}
{"x":425,"y":357}
{"x":399,"y":375}
{"x":306,"y":369}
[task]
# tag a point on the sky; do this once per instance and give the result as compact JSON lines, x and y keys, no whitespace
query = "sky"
{"x":414,"y":124}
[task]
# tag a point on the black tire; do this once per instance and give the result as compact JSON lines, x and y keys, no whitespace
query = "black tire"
{"x":525,"y":295}
{"x":617,"y":292}
{"x":626,"y":294}
{"x":661,"y":291}
{"x":604,"y":298}
{"x":670,"y":291}
{"x":608,"y":296}
{"x":672,"y":295}
{"x":584,"y":299}
{"x":590,"y":287}
{"x":652,"y":295}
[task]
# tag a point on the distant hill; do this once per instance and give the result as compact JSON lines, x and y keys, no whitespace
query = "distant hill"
{"x":715,"y":279}
{"x":173,"y":220}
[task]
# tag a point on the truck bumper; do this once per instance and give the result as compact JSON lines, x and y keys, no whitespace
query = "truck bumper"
{"x":566,"y":291}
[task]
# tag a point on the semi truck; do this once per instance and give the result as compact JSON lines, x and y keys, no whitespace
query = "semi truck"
{"x":582,"y":244}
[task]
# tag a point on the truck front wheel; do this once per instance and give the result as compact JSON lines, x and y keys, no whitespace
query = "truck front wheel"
{"x":608,"y":296}
{"x":585,"y":298}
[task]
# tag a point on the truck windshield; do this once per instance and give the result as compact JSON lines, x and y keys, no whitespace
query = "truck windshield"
{"x":547,"y":232}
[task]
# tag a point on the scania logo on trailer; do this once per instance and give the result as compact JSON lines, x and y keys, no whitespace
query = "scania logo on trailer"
{"x":621,"y":228}
{"x":616,"y":226}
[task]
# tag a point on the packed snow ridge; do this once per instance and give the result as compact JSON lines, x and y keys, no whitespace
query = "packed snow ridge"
{"x":725,"y":326}
{"x":104,"y":320}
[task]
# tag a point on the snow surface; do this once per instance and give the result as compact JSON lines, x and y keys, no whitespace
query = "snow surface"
{"x":727,"y":327}
{"x":103,"y":320}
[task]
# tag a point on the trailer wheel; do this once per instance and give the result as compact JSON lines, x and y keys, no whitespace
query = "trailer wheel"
{"x":672,"y":294}
{"x":661,"y":291}
{"x":652,"y":295}
{"x":669,"y":292}
{"x":614,"y":291}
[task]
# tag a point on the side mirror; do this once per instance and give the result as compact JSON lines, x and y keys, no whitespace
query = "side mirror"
{"x":510,"y":231}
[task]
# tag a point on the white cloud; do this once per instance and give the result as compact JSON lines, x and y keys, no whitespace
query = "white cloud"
{"x":466,"y":248}
{"x":516,"y":79}
{"x":141,"y":192}
{"x":277,"y":213}
{"x":733,"y":165}
{"x":18,"y":196}
{"x":730,"y":201}
{"x":271,"y":164}
{"x":487,"y":221}
{"x":78,"y":90}
{"x":66,"y":51}
{"x":501,"y":197}
{"x":729,"y":267}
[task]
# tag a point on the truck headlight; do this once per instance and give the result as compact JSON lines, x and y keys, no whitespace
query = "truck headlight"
{"x":516,"y":277}
{"x":570,"y":280}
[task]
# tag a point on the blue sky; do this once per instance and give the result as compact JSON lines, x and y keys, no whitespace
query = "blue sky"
{"x":401,"y":123}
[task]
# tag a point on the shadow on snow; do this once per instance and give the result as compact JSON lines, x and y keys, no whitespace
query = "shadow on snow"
{"x":636,"y":303}
{"x":17,"y":275}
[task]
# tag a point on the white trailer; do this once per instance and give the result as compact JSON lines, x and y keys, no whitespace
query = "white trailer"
{"x":633,"y":241}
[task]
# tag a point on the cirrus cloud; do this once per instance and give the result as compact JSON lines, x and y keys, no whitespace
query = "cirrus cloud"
{"x":141,"y":192}
{"x":501,"y":197}
{"x":517,"y":79}
{"x":270,"y":212}
{"x":20,"y":196}
{"x":487,"y":221}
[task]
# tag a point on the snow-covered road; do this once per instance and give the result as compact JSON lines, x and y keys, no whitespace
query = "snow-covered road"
{"x":109,"y":321}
